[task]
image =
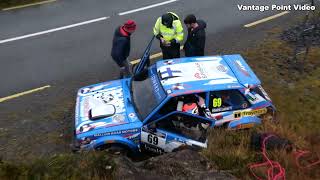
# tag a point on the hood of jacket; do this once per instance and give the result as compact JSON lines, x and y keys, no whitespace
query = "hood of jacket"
{"x":201,"y":25}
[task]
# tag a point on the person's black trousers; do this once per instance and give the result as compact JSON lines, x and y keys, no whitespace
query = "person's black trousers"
{"x":125,"y":70}
{"x":170,"y":52}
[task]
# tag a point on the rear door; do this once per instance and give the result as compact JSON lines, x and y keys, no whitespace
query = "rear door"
{"x":225,"y":105}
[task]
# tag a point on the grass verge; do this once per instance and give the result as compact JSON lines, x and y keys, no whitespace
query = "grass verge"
{"x":11,"y":3}
{"x":296,"y":96}
{"x":88,"y":165}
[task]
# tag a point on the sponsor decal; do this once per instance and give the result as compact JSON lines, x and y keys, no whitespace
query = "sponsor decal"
{"x":201,"y":74}
{"x":169,"y":73}
{"x":77,"y":110}
{"x":241,"y":68}
{"x":153,"y":148}
{"x":92,"y":89}
{"x":168,"y":62}
{"x":131,"y":136}
{"x":158,"y":92}
{"x":132,"y":116}
{"x":245,"y":126}
{"x":86,"y":108}
{"x":251,"y":97}
{"x":88,"y":127}
{"x":118,"y":118}
{"x":117,"y":132}
{"x":250,"y":113}
{"x":177,"y":86}
{"x":106,"y":98}
{"x":222,"y":109}
{"x":217,"y":102}
{"x":113,"y":96}
{"x":244,"y":105}
{"x":221,"y":68}
{"x":264,"y":93}
{"x":233,"y":86}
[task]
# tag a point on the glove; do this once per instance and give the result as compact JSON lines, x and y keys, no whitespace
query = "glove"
{"x":158,"y":36}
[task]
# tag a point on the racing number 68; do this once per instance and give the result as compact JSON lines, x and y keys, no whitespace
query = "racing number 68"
{"x":152,"y":139}
{"x":217,"y":102}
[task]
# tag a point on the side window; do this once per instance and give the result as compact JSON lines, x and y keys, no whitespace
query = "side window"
{"x":169,"y":107}
{"x":177,"y":103}
{"x":227,"y":100}
{"x":185,"y":125}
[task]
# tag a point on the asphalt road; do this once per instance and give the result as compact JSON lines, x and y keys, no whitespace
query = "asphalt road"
{"x":72,"y":53}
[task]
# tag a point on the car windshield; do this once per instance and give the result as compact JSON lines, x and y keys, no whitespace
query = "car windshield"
{"x":147,"y":94}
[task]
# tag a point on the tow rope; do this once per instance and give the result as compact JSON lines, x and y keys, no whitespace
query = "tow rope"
{"x":299,"y":154}
{"x":274,"y":169}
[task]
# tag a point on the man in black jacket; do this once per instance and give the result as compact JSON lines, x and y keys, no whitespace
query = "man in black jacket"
{"x":121,"y":46}
{"x":195,"y":43}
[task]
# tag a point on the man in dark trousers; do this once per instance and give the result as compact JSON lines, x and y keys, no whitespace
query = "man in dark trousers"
{"x":195,"y":43}
{"x":121,"y":46}
{"x":169,"y":31}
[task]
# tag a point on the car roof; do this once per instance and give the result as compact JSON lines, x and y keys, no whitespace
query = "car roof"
{"x":206,"y":73}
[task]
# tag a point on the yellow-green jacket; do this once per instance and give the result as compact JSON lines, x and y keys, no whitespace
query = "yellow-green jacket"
{"x":176,"y":32}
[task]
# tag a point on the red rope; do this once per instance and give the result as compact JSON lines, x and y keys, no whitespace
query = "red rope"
{"x":275,"y":171}
{"x":299,"y":154}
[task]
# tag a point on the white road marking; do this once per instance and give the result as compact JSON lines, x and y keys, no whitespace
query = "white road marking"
{"x":53,"y":30}
{"x":146,"y":7}
{"x":266,"y":19}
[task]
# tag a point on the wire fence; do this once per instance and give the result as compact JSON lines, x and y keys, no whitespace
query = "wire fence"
{"x":307,"y":35}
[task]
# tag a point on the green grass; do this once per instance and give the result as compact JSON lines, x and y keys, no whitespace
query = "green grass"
{"x":296,"y":96}
{"x":11,"y":3}
{"x":88,"y":165}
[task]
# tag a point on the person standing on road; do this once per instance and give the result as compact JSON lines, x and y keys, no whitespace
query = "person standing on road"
{"x":168,"y":29}
{"x":195,"y":43}
{"x":121,"y":46}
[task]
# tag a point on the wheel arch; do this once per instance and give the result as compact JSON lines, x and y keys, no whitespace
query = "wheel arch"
{"x":116,"y":140}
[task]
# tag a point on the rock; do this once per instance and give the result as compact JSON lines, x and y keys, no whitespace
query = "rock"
{"x":291,"y":86}
{"x":185,"y":164}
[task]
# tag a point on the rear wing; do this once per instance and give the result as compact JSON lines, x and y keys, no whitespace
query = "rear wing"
{"x":241,"y":70}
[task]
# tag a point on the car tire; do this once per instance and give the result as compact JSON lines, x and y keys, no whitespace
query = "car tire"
{"x":117,"y":150}
{"x":114,"y":149}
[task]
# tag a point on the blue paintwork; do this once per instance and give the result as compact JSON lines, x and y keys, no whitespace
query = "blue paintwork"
{"x":244,"y":120}
{"x":241,"y":69}
{"x":124,"y":126}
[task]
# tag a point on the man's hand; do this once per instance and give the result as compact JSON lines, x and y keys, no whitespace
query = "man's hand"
{"x":173,"y":42}
{"x":159,"y":36}
{"x":164,"y":42}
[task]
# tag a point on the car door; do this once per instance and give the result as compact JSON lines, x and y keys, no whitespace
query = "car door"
{"x":174,"y":131}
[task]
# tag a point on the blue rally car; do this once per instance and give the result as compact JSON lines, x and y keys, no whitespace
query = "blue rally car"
{"x":156,"y":110}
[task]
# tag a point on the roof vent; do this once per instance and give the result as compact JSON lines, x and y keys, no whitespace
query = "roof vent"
{"x":102,"y":112}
